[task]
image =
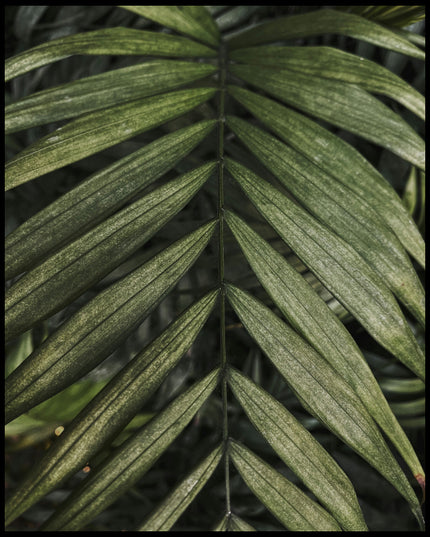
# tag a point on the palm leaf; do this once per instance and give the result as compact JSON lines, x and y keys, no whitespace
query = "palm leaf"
{"x":201,"y":278}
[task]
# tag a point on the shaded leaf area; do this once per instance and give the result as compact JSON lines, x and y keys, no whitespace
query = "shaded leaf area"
{"x":190,"y":20}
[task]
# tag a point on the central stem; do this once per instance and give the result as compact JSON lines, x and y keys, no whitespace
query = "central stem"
{"x":223,"y":357}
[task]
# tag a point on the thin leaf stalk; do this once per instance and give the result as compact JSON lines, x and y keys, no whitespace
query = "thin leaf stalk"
{"x":223,"y":356}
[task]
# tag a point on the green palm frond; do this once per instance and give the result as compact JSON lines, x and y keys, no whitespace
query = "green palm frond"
{"x":213,"y":279}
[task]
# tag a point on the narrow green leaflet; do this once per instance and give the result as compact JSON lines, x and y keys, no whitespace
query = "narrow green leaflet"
{"x":204,"y":18}
{"x":96,"y":198}
{"x":93,"y":332}
{"x":340,"y":209}
{"x":117,"y":41}
{"x":168,"y":512}
{"x":300,"y":451}
{"x":232,"y":522}
{"x":131,"y":461}
{"x":101,"y":91}
{"x":46,"y":289}
{"x":290,"y":505}
{"x":180,"y":20}
{"x":320,"y":388}
{"x":338,"y":158}
{"x":113,"y":407}
{"x":325,"y":21}
{"x":328,"y":62}
{"x":315,"y":321}
{"x":345,"y":105}
{"x":337,"y":266}
{"x":99,"y":130}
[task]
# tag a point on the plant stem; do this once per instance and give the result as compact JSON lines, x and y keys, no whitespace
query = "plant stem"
{"x":223,"y":357}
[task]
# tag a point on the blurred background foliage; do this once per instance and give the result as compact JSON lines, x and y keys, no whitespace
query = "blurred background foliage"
{"x":28,"y":436}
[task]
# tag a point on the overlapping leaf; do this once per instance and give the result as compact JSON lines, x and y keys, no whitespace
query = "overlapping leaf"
{"x":295,"y":510}
{"x":131,"y":461}
{"x":97,"y":131}
{"x":325,"y":21}
{"x":166,"y":514}
{"x":349,"y":239}
{"x":118,"y":41}
{"x":300,"y":451}
{"x":113,"y":407}
{"x":101,"y":91}
{"x":350,"y":216}
{"x":96,"y":329}
{"x":193,"y":22}
{"x":97,"y":197}
{"x":314,"y":320}
{"x":331,"y":63}
{"x":319,"y":387}
{"x":336,"y":157}
{"x":46,"y":289}
{"x":337,"y":265}
{"x":345,"y":105}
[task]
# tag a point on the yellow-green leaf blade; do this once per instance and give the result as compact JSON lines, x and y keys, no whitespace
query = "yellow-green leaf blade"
{"x":331,"y":63}
{"x":339,"y":159}
{"x":46,"y":289}
{"x":163,"y":518}
{"x":178,"y":19}
{"x":131,"y":461}
{"x":113,"y":407}
{"x":325,"y":21}
{"x":314,"y":320}
{"x":291,"y":506}
{"x":118,"y":41}
{"x":345,"y":105}
{"x":97,"y":328}
{"x":338,"y":267}
{"x":102,"y":91}
{"x":97,"y":197}
{"x":99,"y":130}
{"x":320,"y":389}
{"x":341,"y":210}
{"x":300,"y":451}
